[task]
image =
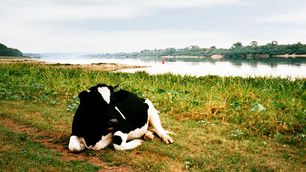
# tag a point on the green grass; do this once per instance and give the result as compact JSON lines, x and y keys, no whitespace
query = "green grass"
{"x":19,"y":153}
{"x":221,"y":124}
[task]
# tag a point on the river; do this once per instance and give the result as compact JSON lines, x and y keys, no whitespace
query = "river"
{"x":276,"y":67}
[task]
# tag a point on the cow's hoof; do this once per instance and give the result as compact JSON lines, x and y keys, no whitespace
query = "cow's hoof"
{"x":129,"y":145}
{"x":138,"y":142}
{"x":167,"y":139}
{"x":76,"y":144}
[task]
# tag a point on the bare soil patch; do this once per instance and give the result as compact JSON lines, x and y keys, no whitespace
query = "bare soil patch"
{"x":93,"y":66}
{"x":4,"y":60}
{"x":57,"y":143}
{"x":97,"y":66}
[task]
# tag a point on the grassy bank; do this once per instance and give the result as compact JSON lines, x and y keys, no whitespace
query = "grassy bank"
{"x":230,"y":123}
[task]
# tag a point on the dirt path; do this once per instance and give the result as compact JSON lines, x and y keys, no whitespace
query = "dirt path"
{"x":54,"y":142}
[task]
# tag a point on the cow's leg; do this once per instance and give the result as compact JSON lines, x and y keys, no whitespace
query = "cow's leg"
{"x":154,"y":120}
{"x":149,"y":134}
{"x":104,"y":142}
{"x":120,"y":141}
{"x":76,"y":144}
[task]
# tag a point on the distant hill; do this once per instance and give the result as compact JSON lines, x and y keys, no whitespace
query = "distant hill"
{"x":6,"y":51}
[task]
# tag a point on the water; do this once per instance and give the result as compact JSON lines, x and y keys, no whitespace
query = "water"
{"x":276,"y":67}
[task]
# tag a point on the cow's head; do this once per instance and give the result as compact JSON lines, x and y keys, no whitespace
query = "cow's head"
{"x":95,"y":115}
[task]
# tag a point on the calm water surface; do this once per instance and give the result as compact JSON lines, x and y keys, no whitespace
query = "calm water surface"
{"x":194,"y":66}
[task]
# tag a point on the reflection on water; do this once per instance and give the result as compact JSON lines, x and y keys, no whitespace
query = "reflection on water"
{"x":276,"y":67}
{"x":224,"y":68}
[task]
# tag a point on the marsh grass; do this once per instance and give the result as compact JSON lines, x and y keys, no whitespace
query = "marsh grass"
{"x":221,"y":123}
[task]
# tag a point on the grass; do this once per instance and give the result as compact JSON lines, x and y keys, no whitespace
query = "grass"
{"x":19,"y":153}
{"x":221,"y":123}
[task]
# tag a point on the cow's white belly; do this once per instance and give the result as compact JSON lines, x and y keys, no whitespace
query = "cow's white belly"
{"x":138,"y":133}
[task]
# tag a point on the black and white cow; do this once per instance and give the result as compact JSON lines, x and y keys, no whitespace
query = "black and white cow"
{"x":106,"y":116}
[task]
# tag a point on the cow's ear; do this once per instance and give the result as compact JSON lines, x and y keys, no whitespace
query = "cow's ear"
{"x":116,"y":86}
{"x":111,"y":88}
{"x":83,"y":95}
{"x":121,"y":95}
{"x":93,"y":88}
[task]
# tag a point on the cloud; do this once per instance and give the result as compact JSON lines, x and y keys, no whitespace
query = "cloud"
{"x":130,"y":41}
{"x":41,"y":25}
{"x":117,"y":41}
{"x":297,"y":16}
{"x":49,"y":10}
{"x":33,"y":10}
{"x":118,"y":25}
{"x":190,"y":3}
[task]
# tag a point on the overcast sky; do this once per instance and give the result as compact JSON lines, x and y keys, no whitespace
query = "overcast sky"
{"x":99,"y":26}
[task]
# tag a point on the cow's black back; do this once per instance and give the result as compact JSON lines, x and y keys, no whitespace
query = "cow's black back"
{"x":134,"y":109}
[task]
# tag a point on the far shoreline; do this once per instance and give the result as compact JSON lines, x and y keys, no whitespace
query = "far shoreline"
{"x":92,"y":66}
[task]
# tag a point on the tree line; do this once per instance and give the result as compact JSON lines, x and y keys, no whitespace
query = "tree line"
{"x":237,"y":50}
{"x":6,"y":51}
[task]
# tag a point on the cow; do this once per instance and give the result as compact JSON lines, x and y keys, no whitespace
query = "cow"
{"x":121,"y":118}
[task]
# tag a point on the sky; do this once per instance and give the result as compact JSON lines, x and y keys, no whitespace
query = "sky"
{"x":109,"y":26}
